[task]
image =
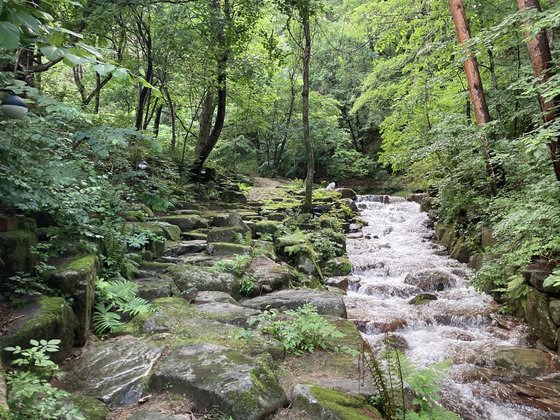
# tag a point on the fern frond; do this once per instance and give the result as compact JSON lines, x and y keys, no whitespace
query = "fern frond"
{"x":136,"y":306}
{"x":104,"y":319}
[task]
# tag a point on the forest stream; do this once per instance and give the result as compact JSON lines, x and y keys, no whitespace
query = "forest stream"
{"x":395,"y":258}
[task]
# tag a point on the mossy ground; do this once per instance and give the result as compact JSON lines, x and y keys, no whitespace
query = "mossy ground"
{"x":347,"y":407}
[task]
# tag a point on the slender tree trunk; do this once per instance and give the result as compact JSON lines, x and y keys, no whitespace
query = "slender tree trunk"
{"x":157,"y":120}
{"x":173,"y":120}
{"x":97,"y":93}
{"x":474,"y":84}
{"x":308,"y":206}
{"x":541,"y":60}
{"x":492,"y":68}
{"x":279,"y":152}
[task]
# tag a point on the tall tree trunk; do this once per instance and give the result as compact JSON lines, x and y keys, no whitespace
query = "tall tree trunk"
{"x":541,"y":60}
{"x":474,"y":84}
{"x":205,"y":145}
{"x":308,"y":206}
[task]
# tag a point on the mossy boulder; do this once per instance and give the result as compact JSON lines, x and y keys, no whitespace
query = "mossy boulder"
{"x":186,"y":222}
{"x":90,"y":407}
{"x":227,"y":313}
{"x":327,"y":303}
{"x":460,"y":251}
{"x":554,"y":308}
{"x":179,"y":323}
{"x":316,"y":402}
{"x":48,"y":318}
{"x":225,"y":234}
{"x":270,"y":276}
{"x":267,"y":227}
{"x":347,"y":193}
{"x":422,"y":298}
{"x":76,"y":278}
{"x":220,"y":220}
{"x":189,"y":276}
{"x":112,"y":371}
{"x":539,"y":319}
{"x":223,"y":249}
{"x":164,"y":230}
{"x":221,"y":377}
{"x":15,"y":252}
{"x":339,"y":266}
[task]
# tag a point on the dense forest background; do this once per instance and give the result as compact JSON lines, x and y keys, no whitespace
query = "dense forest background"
{"x":180,"y":84}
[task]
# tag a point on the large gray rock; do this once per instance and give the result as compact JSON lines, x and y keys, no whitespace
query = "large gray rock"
{"x":218,"y":376}
{"x":315,"y":402}
{"x":270,"y":275}
{"x":430,"y":280}
{"x":212,"y":296}
{"x":521,"y":360}
{"x":189,"y":276}
{"x":112,"y":371}
{"x":225,"y":249}
{"x":150,"y":288}
{"x":186,"y":222}
{"x":225,"y":234}
{"x":186,"y":247}
{"x":228,"y":313}
{"x":327,"y":303}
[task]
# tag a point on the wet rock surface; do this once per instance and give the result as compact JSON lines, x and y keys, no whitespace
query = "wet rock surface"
{"x":327,"y":303}
{"x":217,"y":376}
{"x":112,"y":371}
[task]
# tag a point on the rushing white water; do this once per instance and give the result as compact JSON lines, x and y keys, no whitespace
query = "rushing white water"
{"x":395,"y":259}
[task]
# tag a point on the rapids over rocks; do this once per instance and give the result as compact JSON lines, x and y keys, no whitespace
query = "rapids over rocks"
{"x":496,"y":372}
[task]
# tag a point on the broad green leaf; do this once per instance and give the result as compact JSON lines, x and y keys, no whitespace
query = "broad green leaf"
{"x":9,"y":35}
{"x":121,"y":74}
{"x":104,"y":69}
{"x":52,"y":52}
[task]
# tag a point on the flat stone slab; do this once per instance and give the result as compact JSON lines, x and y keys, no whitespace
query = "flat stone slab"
{"x":228,"y":313}
{"x":218,"y":376}
{"x":112,"y":371}
{"x":212,"y":296}
{"x":327,"y":303}
{"x":186,"y":247}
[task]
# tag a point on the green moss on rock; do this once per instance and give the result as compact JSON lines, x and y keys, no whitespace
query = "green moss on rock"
{"x":49,"y":318}
{"x":186,"y":222}
{"x":227,"y":249}
{"x":15,"y":252}
{"x":344,"y":406}
{"x":90,"y":407}
{"x":340,"y":266}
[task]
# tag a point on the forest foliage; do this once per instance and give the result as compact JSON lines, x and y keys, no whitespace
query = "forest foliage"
{"x":111,"y":84}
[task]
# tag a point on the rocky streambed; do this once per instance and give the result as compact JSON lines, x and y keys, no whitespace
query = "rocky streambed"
{"x":404,"y":285}
{"x":198,"y":354}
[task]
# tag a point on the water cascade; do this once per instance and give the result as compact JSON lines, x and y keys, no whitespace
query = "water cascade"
{"x":395,"y":259}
